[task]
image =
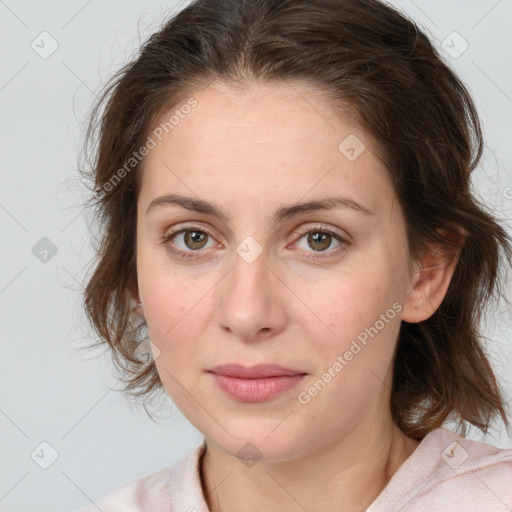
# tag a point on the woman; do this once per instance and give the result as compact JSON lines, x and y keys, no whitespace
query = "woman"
{"x":288,"y":226}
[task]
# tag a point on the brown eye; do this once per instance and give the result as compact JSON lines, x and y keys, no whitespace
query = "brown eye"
{"x":188,"y":242}
{"x":317,"y":243}
{"x":195,"y":239}
{"x":319,"y":240}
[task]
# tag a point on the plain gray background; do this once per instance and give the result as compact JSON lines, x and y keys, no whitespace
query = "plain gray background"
{"x":50,"y":392}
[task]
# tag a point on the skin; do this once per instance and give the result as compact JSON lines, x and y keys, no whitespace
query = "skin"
{"x":250,"y":151}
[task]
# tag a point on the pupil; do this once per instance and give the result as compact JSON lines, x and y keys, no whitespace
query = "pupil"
{"x":195,"y":237}
{"x":319,"y":238}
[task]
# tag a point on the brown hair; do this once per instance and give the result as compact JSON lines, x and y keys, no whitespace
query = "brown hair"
{"x":373,"y":60}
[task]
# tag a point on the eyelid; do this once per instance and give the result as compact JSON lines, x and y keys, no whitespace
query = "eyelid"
{"x":187,"y":227}
{"x":342,"y":234}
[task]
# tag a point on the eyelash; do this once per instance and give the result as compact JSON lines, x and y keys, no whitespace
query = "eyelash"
{"x":317,"y":229}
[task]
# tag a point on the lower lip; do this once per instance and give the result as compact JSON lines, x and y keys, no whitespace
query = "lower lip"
{"x":256,"y":390}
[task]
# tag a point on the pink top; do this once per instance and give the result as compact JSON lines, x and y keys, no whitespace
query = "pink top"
{"x":445,"y":473}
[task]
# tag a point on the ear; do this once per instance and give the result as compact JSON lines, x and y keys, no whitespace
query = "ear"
{"x":135,"y":306}
{"x":432,"y":278}
{"x":138,"y":309}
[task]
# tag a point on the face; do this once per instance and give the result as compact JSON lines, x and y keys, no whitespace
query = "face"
{"x":318,"y":291}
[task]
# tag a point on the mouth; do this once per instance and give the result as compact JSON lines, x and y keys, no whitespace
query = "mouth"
{"x":255,"y":383}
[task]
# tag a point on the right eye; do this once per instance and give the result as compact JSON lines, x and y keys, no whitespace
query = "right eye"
{"x":193,"y":239}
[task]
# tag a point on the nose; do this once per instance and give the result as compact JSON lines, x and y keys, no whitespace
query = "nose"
{"x":251,"y":300}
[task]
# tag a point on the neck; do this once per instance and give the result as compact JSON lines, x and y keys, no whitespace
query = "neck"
{"x":347,"y":474}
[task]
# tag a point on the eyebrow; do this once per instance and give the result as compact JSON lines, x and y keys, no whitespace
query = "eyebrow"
{"x":285,"y":212}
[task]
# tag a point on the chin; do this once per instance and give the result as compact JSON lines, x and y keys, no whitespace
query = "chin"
{"x":255,"y":441}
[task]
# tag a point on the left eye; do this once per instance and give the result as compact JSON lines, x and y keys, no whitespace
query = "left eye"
{"x":320,"y":240}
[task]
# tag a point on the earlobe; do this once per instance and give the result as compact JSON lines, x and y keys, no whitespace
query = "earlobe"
{"x":137,"y":307}
{"x":430,"y":282}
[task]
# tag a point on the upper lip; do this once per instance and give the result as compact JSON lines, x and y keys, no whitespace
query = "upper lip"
{"x":253,"y":372}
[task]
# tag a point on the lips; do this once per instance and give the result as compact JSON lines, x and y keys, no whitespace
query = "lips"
{"x":258,"y":383}
{"x":259,"y":371}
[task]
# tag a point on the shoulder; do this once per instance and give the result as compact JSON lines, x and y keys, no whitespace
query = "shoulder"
{"x":152,"y":492}
{"x":446,"y":473}
{"x":136,"y":496}
{"x":466,"y":475}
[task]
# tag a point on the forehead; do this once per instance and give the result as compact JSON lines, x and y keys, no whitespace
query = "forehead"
{"x":270,"y":113}
{"x":286,"y":137}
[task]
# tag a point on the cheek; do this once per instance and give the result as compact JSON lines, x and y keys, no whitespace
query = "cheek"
{"x":176,"y":314}
{"x":359,"y":345}
{"x":168,"y":294}
{"x":169,"y":304}
{"x":345,"y":305}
